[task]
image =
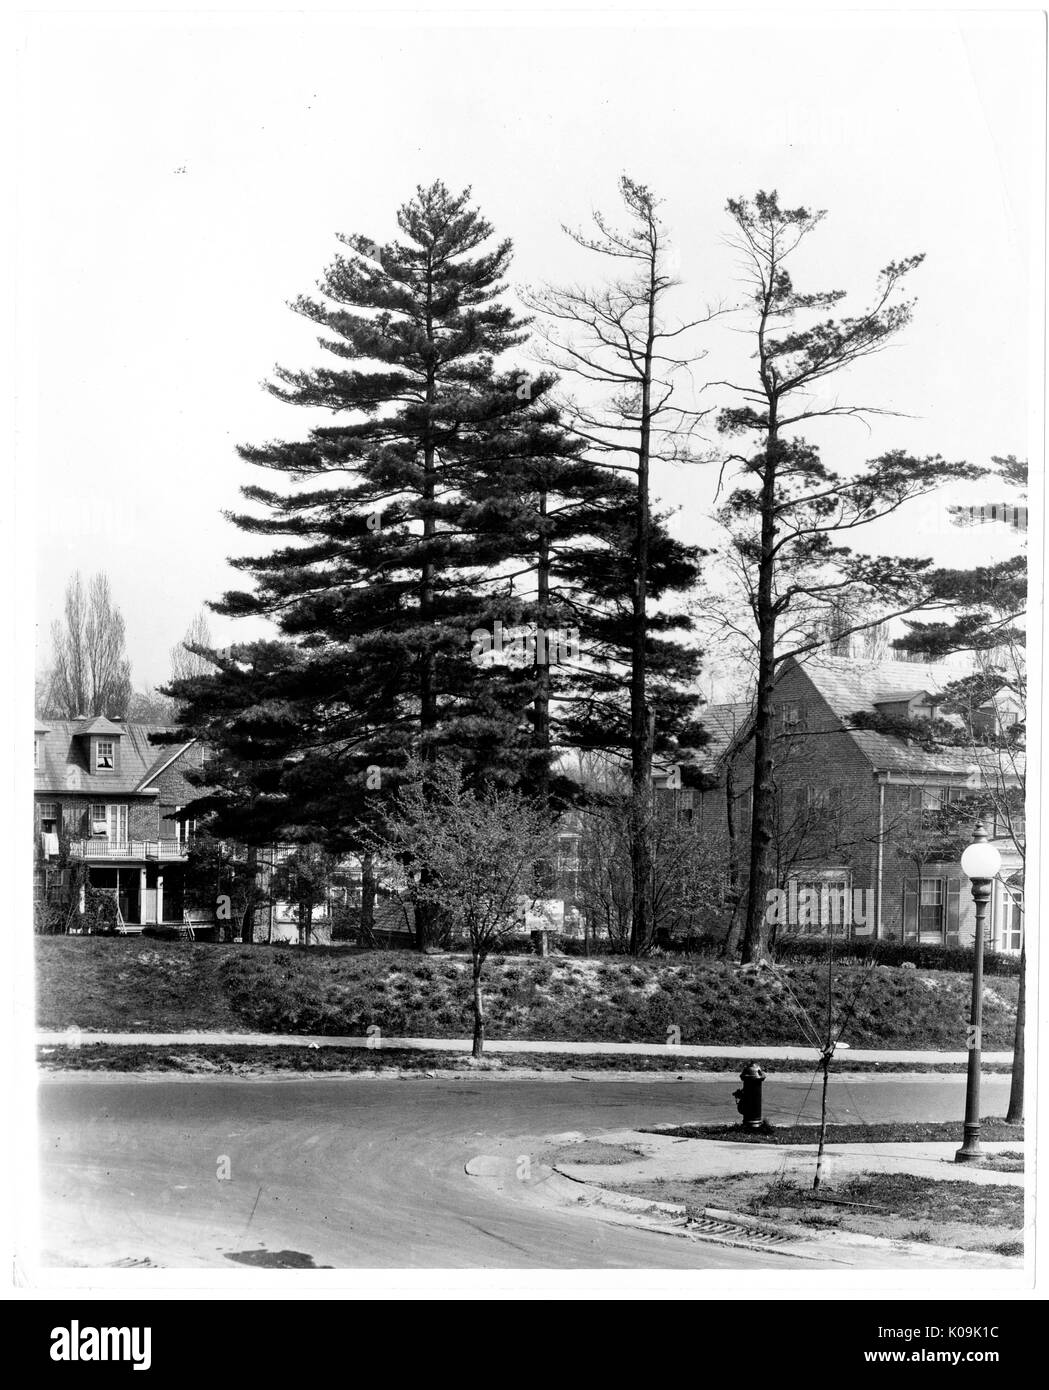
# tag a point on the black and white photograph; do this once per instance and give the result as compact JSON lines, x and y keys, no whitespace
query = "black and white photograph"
{"x":525,"y":548}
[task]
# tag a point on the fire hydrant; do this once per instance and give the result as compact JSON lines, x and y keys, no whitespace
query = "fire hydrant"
{"x":748,"y":1097}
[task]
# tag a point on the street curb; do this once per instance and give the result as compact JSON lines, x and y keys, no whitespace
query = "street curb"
{"x":564,"y":1047}
{"x":796,"y":1235}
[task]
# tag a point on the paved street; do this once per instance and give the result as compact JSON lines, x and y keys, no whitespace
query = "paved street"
{"x":369,"y":1172}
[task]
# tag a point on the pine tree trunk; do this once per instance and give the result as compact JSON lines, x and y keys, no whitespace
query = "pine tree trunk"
{"x":763,"y":789}
{"x":731,"y":943}
{"x":545,"y":871}
{"x":368,"y":899}
{"x":541,"y":732}
{"x":641,"y":718}
{"x":247,"y":927}
{"x":1015,"y":1113}
{"x":427,"y":693}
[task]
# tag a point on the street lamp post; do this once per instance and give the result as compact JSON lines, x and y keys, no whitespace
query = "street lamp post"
{"x":980,"y":863}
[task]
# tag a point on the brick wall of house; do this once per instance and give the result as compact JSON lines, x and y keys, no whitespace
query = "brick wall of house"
{"x":143,"y":819}
{"x":905,"y":866}
{"x":822,"y":754}
{"x":75,"y":812}
{"x":175,"y":790}
{"x":817,"y":761}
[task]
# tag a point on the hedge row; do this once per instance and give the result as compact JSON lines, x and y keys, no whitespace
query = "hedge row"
{"x":959,"y":958}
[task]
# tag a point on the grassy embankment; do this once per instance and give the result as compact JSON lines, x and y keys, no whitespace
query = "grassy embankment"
{"x":129,"y":985}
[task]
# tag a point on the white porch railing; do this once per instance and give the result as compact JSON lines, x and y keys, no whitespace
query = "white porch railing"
{"x":127,"y":849}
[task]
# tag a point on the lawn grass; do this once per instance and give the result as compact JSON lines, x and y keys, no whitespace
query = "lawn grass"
{"x":896,"y":1132}
{"x":906,"y":1196}
{"x":259,"y":1060}
{"x":894,"y":1206}
{"x":128,"y":985}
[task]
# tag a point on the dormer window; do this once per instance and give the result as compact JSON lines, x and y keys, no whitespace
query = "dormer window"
{"x":104,"y":755}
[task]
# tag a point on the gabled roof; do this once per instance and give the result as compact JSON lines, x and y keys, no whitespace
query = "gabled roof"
{"x":724,"y":724}
{"x":62,"y":762}
{"x":849,"y":685}
{"x":165,"y":759}
{"x":100,"y":725}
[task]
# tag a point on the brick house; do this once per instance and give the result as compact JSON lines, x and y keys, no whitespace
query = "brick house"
{"x":859,"y":814}
{"x":106,"y":797}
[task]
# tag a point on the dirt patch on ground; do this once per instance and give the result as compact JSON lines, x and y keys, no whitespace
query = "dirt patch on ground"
{"x":896,"y":1206}
{"x":275,"y":1259}
{"x":593,"y":1151}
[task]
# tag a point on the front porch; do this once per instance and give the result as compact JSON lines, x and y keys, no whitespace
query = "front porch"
{"x":146,"y":895}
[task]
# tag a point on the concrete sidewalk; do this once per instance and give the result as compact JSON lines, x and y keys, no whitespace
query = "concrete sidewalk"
{"x":686,"y":1160}
{"x":74,"y":1037}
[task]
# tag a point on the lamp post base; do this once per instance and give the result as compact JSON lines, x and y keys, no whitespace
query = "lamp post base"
{"x":970,"y":1151}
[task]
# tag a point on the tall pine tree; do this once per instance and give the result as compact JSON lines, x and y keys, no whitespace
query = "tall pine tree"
{"x":789,"y":514}
{"x":615,"y":338}
{"x":378,"y":588}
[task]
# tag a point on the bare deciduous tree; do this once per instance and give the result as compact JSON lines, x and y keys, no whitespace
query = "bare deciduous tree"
{"x":189,"y":657}
{"x":469,"y":855}
{"x":90,"y":672}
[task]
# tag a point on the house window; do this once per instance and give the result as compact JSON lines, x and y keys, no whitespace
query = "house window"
{"x":49,"y":817}
{"x":104,"y":757}
{"x":790,"y":717}
{"x":1011,"y":916}
{"x":116,"y":818}
{"x":1005,"y":824}
{"x":98,"y":819}
{"x":185,"y":830}
{"x":930,"y":910}
{"x":932,"y":804}
{"x":821,"y":904}
{"x":812,"y":800}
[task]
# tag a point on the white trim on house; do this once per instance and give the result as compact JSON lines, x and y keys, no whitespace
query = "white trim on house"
{"x":163,"y":766}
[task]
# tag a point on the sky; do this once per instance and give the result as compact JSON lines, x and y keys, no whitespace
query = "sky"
{"x":184,"y":178}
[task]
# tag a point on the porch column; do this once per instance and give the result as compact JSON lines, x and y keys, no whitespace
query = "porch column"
{"x":141,"y":894}
{"x":160,"y":896}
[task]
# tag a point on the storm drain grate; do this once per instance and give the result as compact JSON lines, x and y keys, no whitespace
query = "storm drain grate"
{"x":708,"y":1226}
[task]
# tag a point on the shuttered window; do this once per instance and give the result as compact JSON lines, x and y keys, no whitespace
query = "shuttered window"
{"x":931,"y":909}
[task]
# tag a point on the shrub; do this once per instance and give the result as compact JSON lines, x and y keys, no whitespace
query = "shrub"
{"x":957,"y":958}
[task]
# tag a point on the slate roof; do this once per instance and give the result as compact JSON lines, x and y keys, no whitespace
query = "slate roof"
{"x":100,"y":725}
{"x":849,"y":685}
{"x":723,"y":723}
{"x":62,"y":763}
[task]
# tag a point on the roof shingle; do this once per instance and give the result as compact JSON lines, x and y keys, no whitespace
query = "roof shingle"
{"x":62,"y":759}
